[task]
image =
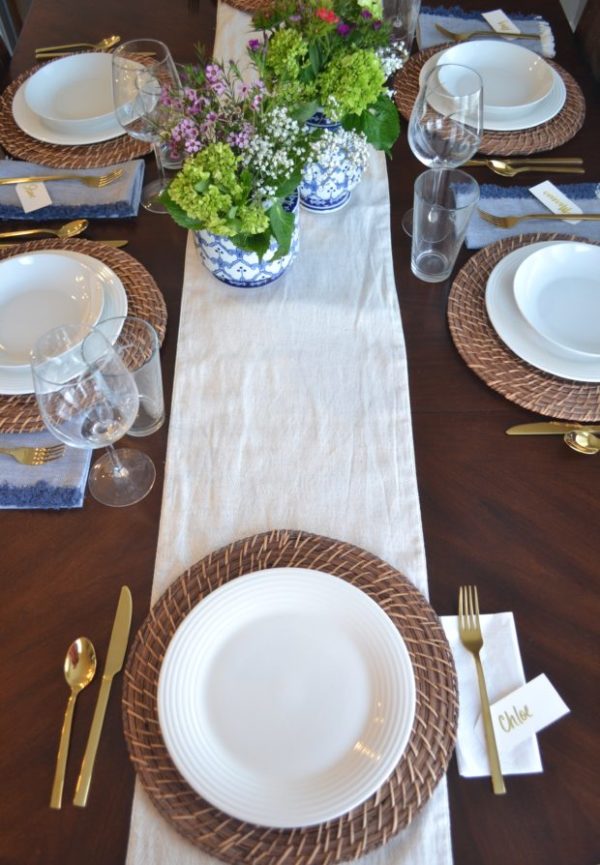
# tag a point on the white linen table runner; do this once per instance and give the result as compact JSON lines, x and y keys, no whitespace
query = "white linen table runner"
{"x":291,"y":410}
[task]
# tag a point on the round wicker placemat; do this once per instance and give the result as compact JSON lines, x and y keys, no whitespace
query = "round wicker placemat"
{"x":546,"y":136}
{"x":386,"y":812}
{"x":484,"y":352}
{"x":250,"y":6}
{"x":23,"y":146}
{"x":144,"y":299}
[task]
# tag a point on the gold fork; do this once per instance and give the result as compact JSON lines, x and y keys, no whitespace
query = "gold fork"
{"x":469,"y":630}
{"x":97,"y":181}
{"x":463,"y":37}
{"x":34,"y":456}
{"x":509,"y":221}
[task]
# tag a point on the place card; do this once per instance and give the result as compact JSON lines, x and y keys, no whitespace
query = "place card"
{"x":33,"y":196}
{"x":555,"y":200}
{"x":524,"y":712}
{"x":500,"y":22}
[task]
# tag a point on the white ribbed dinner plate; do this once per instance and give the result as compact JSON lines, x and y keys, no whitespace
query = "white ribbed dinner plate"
{"x":286,"y":697}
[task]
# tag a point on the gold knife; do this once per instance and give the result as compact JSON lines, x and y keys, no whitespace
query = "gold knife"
{"x":114,"y":662}
{"x":548,"y":428}
{"x":116,"y":243}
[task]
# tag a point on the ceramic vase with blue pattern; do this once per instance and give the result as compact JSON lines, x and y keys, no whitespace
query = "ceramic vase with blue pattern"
{"x":327,"y":182}
{"x":243,"y":269}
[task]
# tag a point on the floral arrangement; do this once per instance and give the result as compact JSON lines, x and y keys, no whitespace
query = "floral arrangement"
{"x":333,"y":57}
{"x":244,"y":148}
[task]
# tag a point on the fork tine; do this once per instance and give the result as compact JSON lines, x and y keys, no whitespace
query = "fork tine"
{"x":54,"y":449}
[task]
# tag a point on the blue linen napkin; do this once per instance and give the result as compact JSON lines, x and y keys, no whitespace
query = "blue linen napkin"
{"x":71,"y":199}
{"x":55,"y":485}
{"x":513,"y":200}
{"x":459,"y":21}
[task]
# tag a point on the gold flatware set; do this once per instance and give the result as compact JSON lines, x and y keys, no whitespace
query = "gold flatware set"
{"x":510,"y":221}
{"x":79,"y":670}
{"x":578,"y":437}
{"x":547,"y":164}
{"x":464,"y":37}
{"x":61,"y":50}
{"x":469,"y":629}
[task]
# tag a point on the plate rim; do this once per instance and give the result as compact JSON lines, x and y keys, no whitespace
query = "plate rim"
{"x":234,"y":592}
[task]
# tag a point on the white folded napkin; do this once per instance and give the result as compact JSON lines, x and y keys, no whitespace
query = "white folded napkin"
{"x":459,"y":21}
{"x":503,"y":670}
{"x":70,"y":199}
{"x":54,"y":485}
{"x":515,"y":200}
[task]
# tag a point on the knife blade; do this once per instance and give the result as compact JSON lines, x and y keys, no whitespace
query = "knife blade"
{"x":548,"y":428}
{"x":114,"y":661}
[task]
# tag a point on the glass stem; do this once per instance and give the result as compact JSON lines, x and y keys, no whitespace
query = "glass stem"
{"x":119,"y":470}
{"x":159,"y":164}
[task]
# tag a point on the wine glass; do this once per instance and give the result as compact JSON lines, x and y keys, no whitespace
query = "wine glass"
{"x":446,"y":122}
{"x":141,"y":68}
{"x":87,"y":398}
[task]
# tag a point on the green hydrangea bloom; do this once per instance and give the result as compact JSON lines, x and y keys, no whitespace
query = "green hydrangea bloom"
{"x":375,"y":7}
{"x":287,"y":50}
{"x":351,"y":83}
{"x":253,"y":219}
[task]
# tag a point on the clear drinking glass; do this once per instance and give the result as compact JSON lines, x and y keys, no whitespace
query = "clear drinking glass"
{"x":141,"y":68}
{"x":402,"y":15}
{"x":446,"y":122}
{"x":87,"y":398}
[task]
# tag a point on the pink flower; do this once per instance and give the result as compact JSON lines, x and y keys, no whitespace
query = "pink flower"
{"x":327,"y":15}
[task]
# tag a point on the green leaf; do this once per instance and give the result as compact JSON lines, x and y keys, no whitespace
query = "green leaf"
{"x":290,"y":185}
{"x":258,"y":243}
{"x":282,"y":226}
{"x":305,"y":111}
{"x":380,"y":123}
{"x":316,"y":57}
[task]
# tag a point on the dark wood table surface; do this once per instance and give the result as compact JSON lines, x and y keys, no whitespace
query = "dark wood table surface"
{"x":516,"y":516}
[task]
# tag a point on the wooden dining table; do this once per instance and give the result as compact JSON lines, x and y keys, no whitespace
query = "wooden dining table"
{"x":517,"y":516}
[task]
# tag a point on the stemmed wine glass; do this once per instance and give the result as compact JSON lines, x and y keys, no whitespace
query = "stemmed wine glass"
{"x":88,"y":398}
{"x":446,"y":122}
{"x":141,"y":68}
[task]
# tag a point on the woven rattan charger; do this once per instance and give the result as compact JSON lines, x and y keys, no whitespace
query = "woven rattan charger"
{"x":144,"y":299}
{"x":484,"y":352}
{"x":546,"y":136}
{"x":385,"y":813}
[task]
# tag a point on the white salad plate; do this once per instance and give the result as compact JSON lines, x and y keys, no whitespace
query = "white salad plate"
{"x":29,"y":122}
{"x":286,"y":697}
{"x":73,"y":95}
{"x":46,"y":272}
{"x":558,"y":291}
{"x":516,"y":332}
{"x":510,"y":121}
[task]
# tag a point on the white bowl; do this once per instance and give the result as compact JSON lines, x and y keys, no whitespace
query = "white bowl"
{"x":40,"y":291}
{"x":557,"y":290}
{"x":515,"y":79}
{"x":73,"y":94}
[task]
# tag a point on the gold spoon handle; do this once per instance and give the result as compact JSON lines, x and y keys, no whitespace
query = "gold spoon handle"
{"x":535,"y":160}
{"x":590,"y":217}
{"x":41,"y":178}
{"x":63,"y":751}
{"x":25,"y":231}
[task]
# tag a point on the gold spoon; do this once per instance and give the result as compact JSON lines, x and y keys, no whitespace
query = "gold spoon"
{"x":80,"y":666}
{"x":504,"y":169}
{"x":69,"y":229}
{"x":583,"y":442}
{"x":103,"y":45}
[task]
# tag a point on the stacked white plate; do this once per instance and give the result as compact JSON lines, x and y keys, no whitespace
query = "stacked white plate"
{"x":46,"y":289}
{"x":69,"y":101}
{"x":543,"y":301}
{"x":520,"y":89}
{"x":286,"y":697}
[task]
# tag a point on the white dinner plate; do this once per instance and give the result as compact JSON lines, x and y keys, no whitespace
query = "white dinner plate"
{"x":517,"y":333}
{"x":31,"y":124}
{"x":286,"y":697}
{"x":17,"y":380}
{"x":40,"y":291}
{"x":558,"y":291}
{"x":540,"y":113}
